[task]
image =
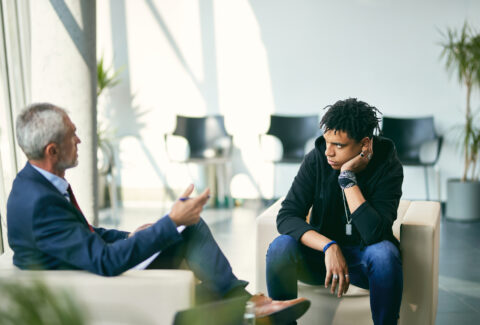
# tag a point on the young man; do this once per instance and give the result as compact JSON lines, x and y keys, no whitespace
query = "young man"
{"x":47,"y":230}
{"x":352,"y":180}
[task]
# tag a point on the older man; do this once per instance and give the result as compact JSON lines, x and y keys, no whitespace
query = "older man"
{"x":47,"y":230}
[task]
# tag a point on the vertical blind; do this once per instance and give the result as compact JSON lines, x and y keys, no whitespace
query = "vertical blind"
{"x":14,"y":90}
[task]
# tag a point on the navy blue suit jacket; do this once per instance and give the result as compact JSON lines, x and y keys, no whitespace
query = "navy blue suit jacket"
{"x":46,"y":231}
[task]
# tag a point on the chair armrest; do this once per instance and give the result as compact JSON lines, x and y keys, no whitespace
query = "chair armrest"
{"x":6,"y":260}
{"x":271,"y":147}
{"x":1,"y":236}
{"x":176,"y":147}
{"x":419,"y":243}
{"x":135,"y":297}
{"x":266,"y":232}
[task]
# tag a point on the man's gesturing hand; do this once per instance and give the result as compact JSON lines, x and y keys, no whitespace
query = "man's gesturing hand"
{"x":187,"y":211}
{"x":337,"y":270}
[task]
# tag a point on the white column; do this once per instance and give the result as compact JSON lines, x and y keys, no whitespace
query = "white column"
{"x":64,"y":73}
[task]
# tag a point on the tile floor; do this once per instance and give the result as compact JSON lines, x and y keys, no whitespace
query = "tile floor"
{"x":234,"y":230}
{"x":459,"y":283}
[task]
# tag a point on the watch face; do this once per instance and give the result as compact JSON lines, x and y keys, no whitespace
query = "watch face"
{"x":346,"y":182}
{"x":350,"y":185}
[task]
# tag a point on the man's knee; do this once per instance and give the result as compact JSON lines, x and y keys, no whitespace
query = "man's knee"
{"x":284,"y":247}
{"x":384,"y":256}
{"x":198,"y":230}
{"x":201,"y":224}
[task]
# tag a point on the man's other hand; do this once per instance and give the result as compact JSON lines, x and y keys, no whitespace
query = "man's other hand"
{"x":145,"y":226}
{"x":186,"y":211}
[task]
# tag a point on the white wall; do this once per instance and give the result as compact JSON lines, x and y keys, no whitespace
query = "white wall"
{"x":248,"y":59}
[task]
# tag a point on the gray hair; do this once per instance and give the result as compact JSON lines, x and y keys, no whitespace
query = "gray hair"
{"x":39,"y":125}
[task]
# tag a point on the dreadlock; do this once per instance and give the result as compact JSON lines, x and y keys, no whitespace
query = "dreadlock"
{"x":358,"y":119}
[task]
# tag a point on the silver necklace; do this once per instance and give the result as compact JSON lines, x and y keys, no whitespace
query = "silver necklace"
{"x":348,"y":226}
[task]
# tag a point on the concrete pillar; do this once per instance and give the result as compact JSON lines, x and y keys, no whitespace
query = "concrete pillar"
{"x":64,"y":73}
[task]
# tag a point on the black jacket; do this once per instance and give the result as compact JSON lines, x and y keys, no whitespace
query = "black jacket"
{"x":316,"y":186}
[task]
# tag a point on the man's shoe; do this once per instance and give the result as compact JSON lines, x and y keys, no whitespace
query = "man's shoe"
{"x":269,"y":312}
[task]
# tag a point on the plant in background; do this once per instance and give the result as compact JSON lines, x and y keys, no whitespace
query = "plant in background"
{"x":36,"y":304}
{"x":106,"y":78}
{"x":461,"y":50}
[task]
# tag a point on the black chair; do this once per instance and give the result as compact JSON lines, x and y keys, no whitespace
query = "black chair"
{"x":209,"y":144}
{"x":206,"y":137}
{"x":293,"y":132}
{"x":409,"y":135}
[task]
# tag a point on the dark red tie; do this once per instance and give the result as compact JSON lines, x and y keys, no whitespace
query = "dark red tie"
{"x":75,"y":204}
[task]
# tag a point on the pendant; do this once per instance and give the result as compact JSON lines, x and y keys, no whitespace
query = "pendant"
{"x":348,"y":229}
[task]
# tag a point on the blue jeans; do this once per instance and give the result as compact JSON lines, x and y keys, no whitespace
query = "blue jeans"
{"x":203,"y":256}
{"x":377,"y":267}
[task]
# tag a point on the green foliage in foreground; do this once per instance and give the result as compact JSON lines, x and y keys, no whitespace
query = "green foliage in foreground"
{"x":34,"y":303}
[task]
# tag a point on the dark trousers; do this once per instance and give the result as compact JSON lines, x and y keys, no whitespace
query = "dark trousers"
{"x":203,"y":256}
{"x":377,"y":267}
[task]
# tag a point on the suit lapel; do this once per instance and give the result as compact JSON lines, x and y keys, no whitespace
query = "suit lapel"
{"x":30,"y":172}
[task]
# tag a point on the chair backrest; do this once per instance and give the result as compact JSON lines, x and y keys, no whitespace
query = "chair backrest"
{"x":293,"y":132}
{"x":204,"y":135}
{"x":409,"y":134}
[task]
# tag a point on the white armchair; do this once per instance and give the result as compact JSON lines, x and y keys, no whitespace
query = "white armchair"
{"x":417,"y":227}
{"x":135,"y":297}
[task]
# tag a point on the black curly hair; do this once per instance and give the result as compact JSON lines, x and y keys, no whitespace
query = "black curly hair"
{"x":358,"y":119}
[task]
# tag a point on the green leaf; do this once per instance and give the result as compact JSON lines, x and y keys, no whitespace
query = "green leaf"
{"x":106,"y":78}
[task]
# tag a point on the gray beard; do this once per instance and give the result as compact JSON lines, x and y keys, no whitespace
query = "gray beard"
{"x":64,"y":165}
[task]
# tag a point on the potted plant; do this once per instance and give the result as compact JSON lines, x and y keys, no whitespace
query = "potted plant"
{"x":461,"y":51}
{"x":105,"y":79}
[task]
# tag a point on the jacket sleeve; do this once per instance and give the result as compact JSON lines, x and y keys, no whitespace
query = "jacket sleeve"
{"x":375,"y":217}
{"x":111,"y":235}
{"x":291,"y":219}
{"x":60,"y":233}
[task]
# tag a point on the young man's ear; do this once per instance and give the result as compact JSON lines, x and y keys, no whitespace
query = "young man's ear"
{"x":365,"y":142}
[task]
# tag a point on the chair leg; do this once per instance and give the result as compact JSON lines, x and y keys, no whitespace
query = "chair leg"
{"x":228,"y":181}
{"x":274,"y":181}
{"x":425,"y":171}
{"x":112,"y":191}
{"x":220,"y":183}
{"x":439,"y":184}
{"x":212,"y":184}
